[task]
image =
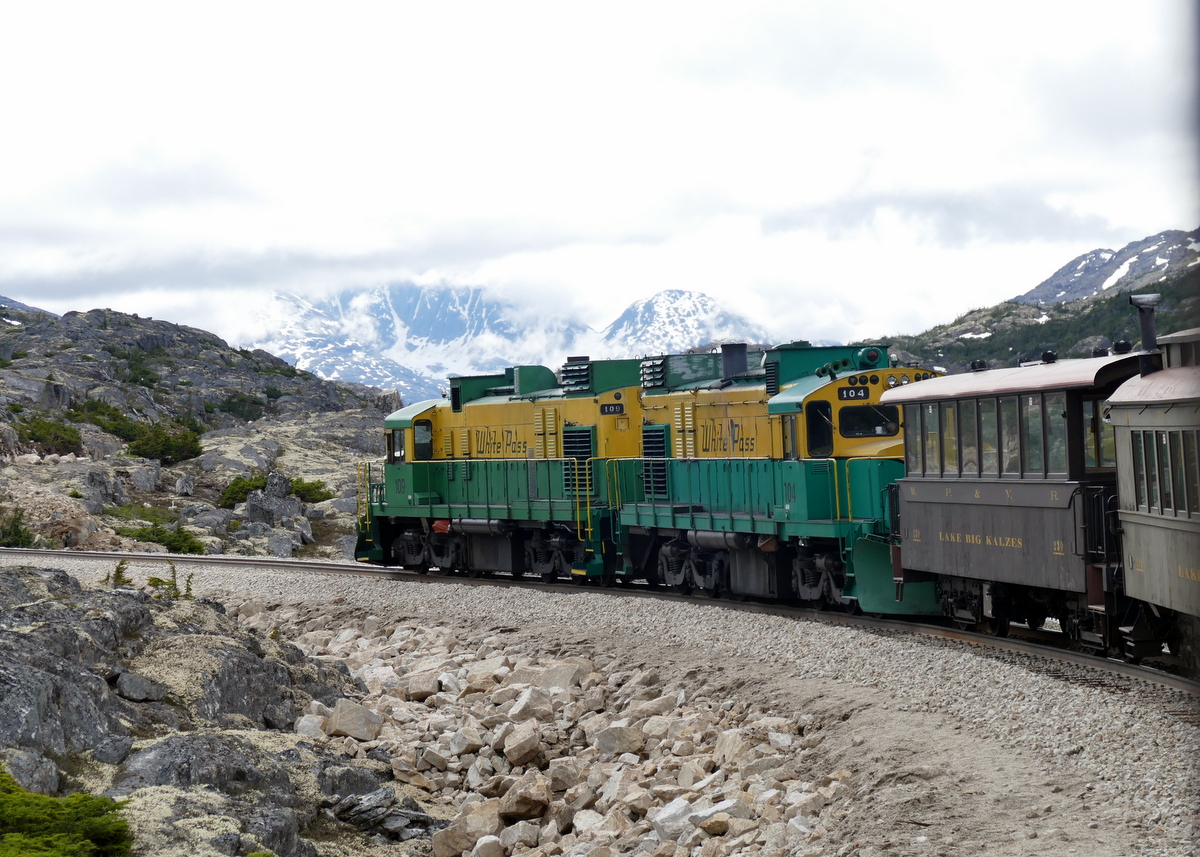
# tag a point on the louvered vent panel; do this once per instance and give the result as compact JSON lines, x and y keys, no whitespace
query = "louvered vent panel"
{"x":685,"y":431}
{"x":654,"y":450}
{"x":576,"y":377}
{"x":772,"y":379}
{"x":577,"y":450}
{"x":653,"y":371}
{"x":545,"y":433}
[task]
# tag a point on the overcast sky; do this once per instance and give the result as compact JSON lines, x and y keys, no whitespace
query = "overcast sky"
{"x":834,"y":170}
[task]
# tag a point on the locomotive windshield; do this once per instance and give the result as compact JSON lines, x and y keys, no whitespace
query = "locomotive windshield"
{"x":869,"y":421}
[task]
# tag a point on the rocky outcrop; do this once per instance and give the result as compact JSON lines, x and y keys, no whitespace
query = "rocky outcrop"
{"x":155,"y":370}
{"x":70,"y":500}
{"x":172,"y":706}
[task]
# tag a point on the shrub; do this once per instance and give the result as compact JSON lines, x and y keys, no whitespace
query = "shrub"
{"x":14,"y":533}
{"x":176,"y":541}
{"x":106,"y":417}
{"x":241,"y":405}
{"x":239,"y":489}
{"x":311,"y":492}
{"x":51,"y":436}
{"x":119,"y":578}
{"x":79,"y":825}
{"x":168,"y":444}
{"x":169,"y":587}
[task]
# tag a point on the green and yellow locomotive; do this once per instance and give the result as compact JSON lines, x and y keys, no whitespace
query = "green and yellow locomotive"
{"x":759,"y":474}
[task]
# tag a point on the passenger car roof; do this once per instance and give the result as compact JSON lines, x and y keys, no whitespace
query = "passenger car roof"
{"x":1181,"y":384}
{"x":1060,"y":375}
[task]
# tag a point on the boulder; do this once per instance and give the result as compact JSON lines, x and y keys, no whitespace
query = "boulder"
{"x":523,"y":743}
{"x":616,"y":740}
{"x":527,"y":798}
{"x":474,"y":821}
{"x":357,"y":721}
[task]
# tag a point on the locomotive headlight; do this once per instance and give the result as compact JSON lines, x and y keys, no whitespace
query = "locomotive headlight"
{"x":903,"y":379}
{"x":891,"y":381}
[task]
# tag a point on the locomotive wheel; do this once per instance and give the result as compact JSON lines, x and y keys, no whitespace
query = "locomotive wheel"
{"x":549,"y":576}
{"x":997,"y":626}
{"x":1035,"y":619}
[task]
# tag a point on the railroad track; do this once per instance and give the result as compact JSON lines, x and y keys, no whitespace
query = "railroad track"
{"x":1178,"y":694}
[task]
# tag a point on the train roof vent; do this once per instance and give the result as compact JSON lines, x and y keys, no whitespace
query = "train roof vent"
{"x":653,"y":372}
{"x":1049,"y":356}
{"x":1099,"y":352}
{"x":576,"y":376}
{"x":1122,"y":346}
{"x":978,"y":365}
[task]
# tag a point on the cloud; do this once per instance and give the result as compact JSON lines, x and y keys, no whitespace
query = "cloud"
{"x":150,"y":181}
{"x":953,"y":219}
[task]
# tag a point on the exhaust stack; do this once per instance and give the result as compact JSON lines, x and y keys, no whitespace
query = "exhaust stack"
{"x":1145,"y":306}
{"x":733,"y":360}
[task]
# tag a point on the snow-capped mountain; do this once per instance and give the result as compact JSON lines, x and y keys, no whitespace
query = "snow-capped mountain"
{"x":411,"y":337}
{"x":1137,"y":264}
{"x":675,"y":320}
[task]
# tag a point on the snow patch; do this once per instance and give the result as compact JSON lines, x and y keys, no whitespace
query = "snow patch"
{"x":983,"y":335}
{"x":1119,"y":273}
{"x":1043,"y":319}
{"x":1159,"y":260}
{"x":1193,"y":246}
{"x":1105,"y":256}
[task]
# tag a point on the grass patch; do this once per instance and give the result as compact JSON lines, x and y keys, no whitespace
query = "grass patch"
{"x":151,"y":514}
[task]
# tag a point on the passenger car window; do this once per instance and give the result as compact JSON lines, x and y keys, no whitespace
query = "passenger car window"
{"x":1010,"y":437}
{"x":989,"y":437}
{"x":949,"y":439}
{"x":1031,"y":434}
{"x":912,"y":440}
{"x":969,"y":438}
{"x":933,"y":452}
{"x":1056,"y":434}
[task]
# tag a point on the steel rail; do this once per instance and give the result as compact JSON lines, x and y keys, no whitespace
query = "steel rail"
{"x":970,"y":638}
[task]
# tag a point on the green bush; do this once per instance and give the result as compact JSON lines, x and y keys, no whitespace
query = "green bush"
{"x":168,"y":444}
{"x":51,"y":436}
{"x":176,"y":541}
{"x":241,"y":405}
{"x":33,"y":825}
{"x":311,"y":492}
{"x":239,"y":489}
{"x":106,"y":417}
{"x":14,"y":533}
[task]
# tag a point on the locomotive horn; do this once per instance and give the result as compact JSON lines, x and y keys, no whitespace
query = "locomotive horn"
{"x":1145,"y":306}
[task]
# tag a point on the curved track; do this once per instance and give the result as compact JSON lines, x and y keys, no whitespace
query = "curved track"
{"x":1043,"y":656}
